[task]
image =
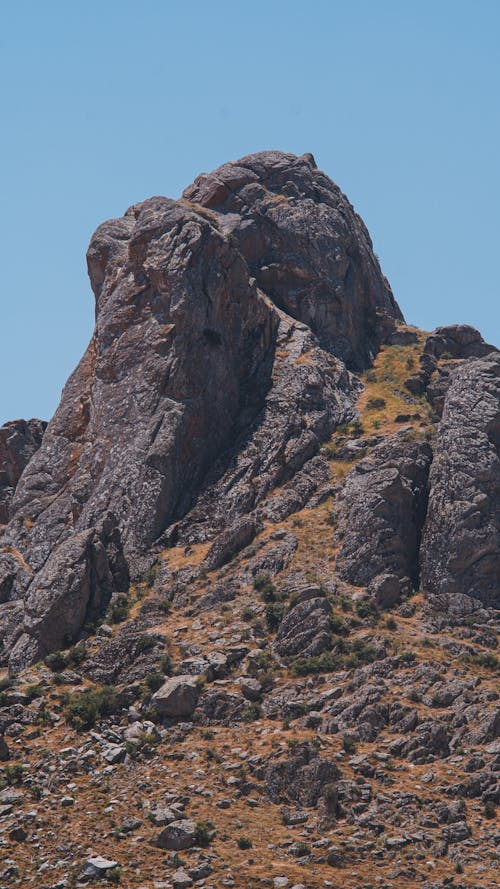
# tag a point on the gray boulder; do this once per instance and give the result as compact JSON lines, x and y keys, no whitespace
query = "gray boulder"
{"x":177,"y":697}
{"x":177,"y":835}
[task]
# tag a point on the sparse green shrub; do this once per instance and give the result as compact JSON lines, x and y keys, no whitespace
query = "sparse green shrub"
{"x":145,"y":643}
{"x":77,"y":654}
{"x":247,"y":613}
{"x":391,"y":624}
{"x":348,"y":744}
{"x":154,"y":680}
{"x":489,"y":809}
{"x":375,"y":404}
{"x":114,"y":875}
{"x":165,"y":606}
{"x":34,"y":691}
{"x":274,"y":615}
{"x":150,"y":575}
{"x":56,"y":661}
{"x":244,"y":843}
{"x":118,"y":610}
{"x":85,"y":708}
{"x":14,"y":774}
{"x":203,"y":833}
{"x":252,"y":713}
{"x":166,"y":665}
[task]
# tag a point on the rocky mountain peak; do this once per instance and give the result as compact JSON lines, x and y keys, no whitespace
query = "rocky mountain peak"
{"x":250,"y":570}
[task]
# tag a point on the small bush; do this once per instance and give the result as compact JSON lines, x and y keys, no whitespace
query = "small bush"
{"x":154,"y":680}
{"x":203,"y":833}
{"x":85,"y":708}
{"x":489,"y":809}
{"x":166,"y":665}
{"x":164,"y":606}
{"x":349,"y":744}
{"x":247,"y":613}
{"x":274,"y":616}
{"x":264,"y":585}
{"x":118,"y":610}
{"x":374,"y":404}
{"x":114,"y":875}
{"x":391,"y":624}
{"x":145,"y":643}
{"x":57,"y":661}
{"x":150,"y":575}
{"x":14,"y":774}
{"x":77,"y":654}
{"x":244,"y":843}
{"x":34,"y":691}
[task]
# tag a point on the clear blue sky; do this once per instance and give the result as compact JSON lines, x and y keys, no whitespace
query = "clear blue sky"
{"x":106,"y":103}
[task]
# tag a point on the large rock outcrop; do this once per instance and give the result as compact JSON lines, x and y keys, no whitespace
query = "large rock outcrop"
{"x":215,"y":367}
{"x":381,"y":511}
{"x":19,"y":440}
{"x":306,"y":246}
{"x":461,"y":542}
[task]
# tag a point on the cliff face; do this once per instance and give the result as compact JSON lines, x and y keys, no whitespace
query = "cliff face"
{"x":220,"y":328}
{"x":253,"y":563}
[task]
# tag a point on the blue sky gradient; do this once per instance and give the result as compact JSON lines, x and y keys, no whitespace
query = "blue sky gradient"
{"x":105,"y":104}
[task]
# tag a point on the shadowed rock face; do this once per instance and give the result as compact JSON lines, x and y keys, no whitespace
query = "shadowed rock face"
{"x":461,"y":542}
{"x":204,"y":374}
{"x":381,"y":511}
{"x":18,"y":442}
{"x":306,"y":246}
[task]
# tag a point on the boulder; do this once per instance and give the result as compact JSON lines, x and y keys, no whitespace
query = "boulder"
{"x":177,"y":697}
{"x":177,"y":835}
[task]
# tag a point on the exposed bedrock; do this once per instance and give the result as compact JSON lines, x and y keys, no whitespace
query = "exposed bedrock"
{"x":461,"y":543}
{"x":306,"y":246}
{"x":206,"y":379}
{"x":381,"y":510}
{"x":19,"y":440}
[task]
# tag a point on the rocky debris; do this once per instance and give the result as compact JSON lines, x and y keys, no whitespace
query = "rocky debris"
{"x":229,"y":543}
{"x":177,"y":835}
{"x":460,"y":551}
{"x":19,"y":440}
{"x":381,"y":509}
{"x":302,"y":778}
{"x":128,"y":656}
{"x":297,"y":492}
{"x":305,"y":630}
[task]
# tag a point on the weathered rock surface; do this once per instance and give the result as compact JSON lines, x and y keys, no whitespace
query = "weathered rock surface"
{"x":305,"y":245}
{"x":215,"y":366}
{"x":461,"y":542}
{"x":177,"y":696}
{"x":381,"y":510}
{"x":458,"y":341}
{"x":19,"y":440}
{"x":305,"y":630}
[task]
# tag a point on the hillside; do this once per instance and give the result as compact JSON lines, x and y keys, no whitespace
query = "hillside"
{"x":250,"y":571}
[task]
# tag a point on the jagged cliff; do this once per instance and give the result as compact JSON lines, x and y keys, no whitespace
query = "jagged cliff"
{"x":253,"y":461}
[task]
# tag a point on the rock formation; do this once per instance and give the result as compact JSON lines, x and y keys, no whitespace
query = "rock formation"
{"x":461,"y":544}
{"x":18,"y":442}
{"x":250,"y":572}
{"x":200,"y":368}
